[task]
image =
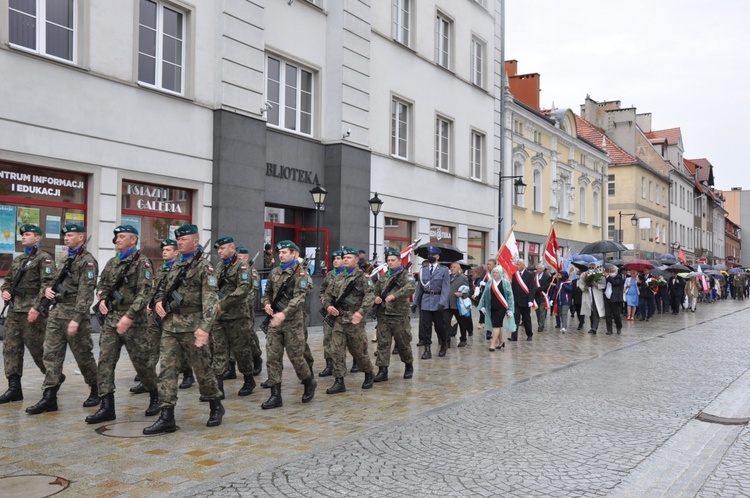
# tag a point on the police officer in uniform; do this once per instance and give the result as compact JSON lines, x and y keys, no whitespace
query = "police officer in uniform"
{"x":338,"y":267}
{"x":186,"y":325}
{"x":125,"y":322}
{"x":69,"y":322}
{"x":433,"y":290}
{"x":244,"y":254}
{"x":394,"y":321}
{"x":24,"y":325}
{"x":349,"y":326}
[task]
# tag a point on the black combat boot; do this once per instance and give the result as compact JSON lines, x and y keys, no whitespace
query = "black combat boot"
{"x":257,"y":365}
{"x":231,"y":372}
{"x":310,"y":385}
{"x":248,"y":386}
{"x":106,"y":411}
{"x":93,"y":398}
{"x":337,"y":387}
{"x":427,"y":353}
{"x":382,"y":375}
{"x":217,"y":413}
{"x":443,"y":349}
{"x":369,"y":379}
{"x":165,"y":423}
{"x":153,"y":404}
{"x":275,"y":400}
{"x":187,"y":379}
{"x":328,"y":370}
{"x":48,"y":403}
{"x":355,"y":367}
{"x":138,"y":388}
{"x":408,"y":370}
{"x":14,"y":392}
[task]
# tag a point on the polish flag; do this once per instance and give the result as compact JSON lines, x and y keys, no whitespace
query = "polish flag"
{"x":681,"y":256}
{"x":405,"y":259}
{"x":507,"y":254}
{"x":550,"y":252}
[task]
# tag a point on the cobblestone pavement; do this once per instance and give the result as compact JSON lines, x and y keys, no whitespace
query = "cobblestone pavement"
{"x":563,"y":415}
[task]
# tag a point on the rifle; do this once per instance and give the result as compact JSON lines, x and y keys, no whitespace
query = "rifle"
{"x":152,"y":303}
{"x":114,"y":297}
{"x":57,"y":285}
{"x":395,"y":282}
{"x":172,"y":295}
{"x":14,"y":290}
{"x":223,"y":280}
{"x":285,"y":291}
{"x":341,"y":300}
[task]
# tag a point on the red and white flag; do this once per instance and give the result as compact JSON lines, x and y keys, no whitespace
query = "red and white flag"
{"x":681,"y":256}
{"x":406,"y":253}
{"x":508,"y":254}
{"x":550,"y":252}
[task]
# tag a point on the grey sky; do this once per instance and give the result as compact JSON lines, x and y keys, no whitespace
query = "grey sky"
{"x":686,"y":62}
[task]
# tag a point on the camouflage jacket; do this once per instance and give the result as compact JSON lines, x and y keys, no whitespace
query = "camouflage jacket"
{"x":40,"y":274}
{"x":136,"y":290}
{"x":360,"y":299}
{"x":404,"y":287}
{"x":294,"y":305}
{"x":235,"y":284}
{"x":326,"y":283}
{"x":80,"y":285}
{"x":253,"y":294}
{"x":199,"y":297}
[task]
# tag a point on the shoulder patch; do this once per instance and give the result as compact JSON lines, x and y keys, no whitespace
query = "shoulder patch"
{"x":303,"y":283}
{"x":148,"y":275}
{"x":410,"y":278}
{"x":212,"y":281}
{"x":48,"y":270}
{"x":90,"y":275}
{"x":243,"y":275}
{"x":210,"y":269}
{"x":370,"y":283}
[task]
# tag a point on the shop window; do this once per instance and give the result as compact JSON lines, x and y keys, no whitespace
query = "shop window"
{"x":476,"y":254}
{"x":397,"y":233}
{"x":440,"y":233}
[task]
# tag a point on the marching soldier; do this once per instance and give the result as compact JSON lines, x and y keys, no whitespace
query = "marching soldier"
{"x":232,"y":327}
{"x":190,"y":295}
{"x":348,"y":298}
{"x":244,"y":255}
{"x":338,"y":267}
{"x":394,"y":321}
{"x":69,"y":321}
{"x":268,"y":260}
{"x":29,"y":275}
{"x":284,"y":301}
{"x":124,"y":290}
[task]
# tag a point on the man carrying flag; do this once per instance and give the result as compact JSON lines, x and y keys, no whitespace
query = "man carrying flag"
{"x":524,"y":288}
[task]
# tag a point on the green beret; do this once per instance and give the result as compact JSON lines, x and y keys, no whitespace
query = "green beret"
{"x":28,"y":227}
{"x":349,"y":250}
{"x":185,"y":229}
{"x":124,"y":229}
{"x":168,"y":242}
{"x":223,"y":240}
{"x":73,"y":228}
{"x":337,"y":253}
{"x":392,"y":252}
{"x":286,"y":244}
{"x":243,"y":250}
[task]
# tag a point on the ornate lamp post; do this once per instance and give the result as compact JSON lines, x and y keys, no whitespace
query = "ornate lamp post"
{"x":375,"y":205}
{"x":318,"y":194}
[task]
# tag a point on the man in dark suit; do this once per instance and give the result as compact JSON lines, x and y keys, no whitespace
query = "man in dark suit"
{"x":542,"y":279}
{"x":523,"y":284}
{"x":459,"y":280}
{"x":613,"y":299}
{"x":431,"y":296}
{"x":676,"y":292}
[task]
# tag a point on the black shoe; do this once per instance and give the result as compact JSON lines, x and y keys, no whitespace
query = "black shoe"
{"x":48,"y":403}
{"x":443,"y":350}
{"x":310,"y":385}
{"x":231,"y":372}
{"x":488,"y":335}
{"x":355,"y":368}
{"x":557,"y":326}
{"x":248,"y":386}
{"x":137,"y":378}
{"x":427,"y":353}
{"x":328,"y":370}
{"x":592,"y":331}
{"x":165,"y":423}
{"x":580,"y":327}
{"x":408,"y":371}
{"x":14,"y":392}
{"x":382,"y":375}
{"x":217,"y":413}
{"x":529,"y":338}
{"x":512,"y":339}
{"x":618,"y":331}
{"x":369,"y":379}
{"x":609,"y":332}
{"x":187,"y":379}
{"x":138,"y":388}
{"x":93,"y":398}
{"x":337,"y":387}
{"x":106,"y":411}
{"x":275,"y":400}
{"x":153,"y":404}
{"x":257,"y":365}
{"x":420,"y":343}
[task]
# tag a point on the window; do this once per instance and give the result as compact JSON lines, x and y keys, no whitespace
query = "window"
{"x":397,"y":233}
{"x":517,"y":198}
{"x":44,"y":26}
{"x":537,"y":191}
{"x":643,"y":187}
{"x":477,"y":62}
{"x":664,"y":196}
{"x":611,"y":184}
{"x":475,"y":253}
{"x":611,"y":228}
{"x":597,"y":211}
{"x":400,"y":116}
{"x":401,"y":21}
{"x":442,"y":143}
{"x":161,"y":47}
{"x":289,"y":90}
{"x":477,"y":155}
{"x":582,"y":204}
{"x":651,"y":191}
{"x":443,"y":41}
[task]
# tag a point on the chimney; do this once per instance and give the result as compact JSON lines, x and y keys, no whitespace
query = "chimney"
{"x":524,"y":87}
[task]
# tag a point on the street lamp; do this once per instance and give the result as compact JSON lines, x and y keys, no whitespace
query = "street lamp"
{"x":674,"y":245}
{"x":633,"y":221}
{"x":318,"y":194}
{"x":375,"y":205}
{"x":520,"y":188}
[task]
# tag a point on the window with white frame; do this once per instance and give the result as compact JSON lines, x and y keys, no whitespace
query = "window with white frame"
{"x":289,"y":90}
{"x":582,"y":204}
{"x":43,"y":26}
{"x":611,"y":228}
{"x":537,"y":183}
{"x":402,"y":21}
{"x":161,"y":46}
{"x":477,"y":62}
{"x":442,"y":143}
{"x":518,"y":198}
{"x":651,"y":191}
{"x":611,"y":184}
{"x":400,"y":117}
{"x":477,"y":155}
{"x":443,"y":35}
{"x":643,"y":187}
{"x":596,"y":219}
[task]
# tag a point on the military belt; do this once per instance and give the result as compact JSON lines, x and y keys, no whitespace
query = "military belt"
{"x":433,"y":293}
{"x":188,"y":309}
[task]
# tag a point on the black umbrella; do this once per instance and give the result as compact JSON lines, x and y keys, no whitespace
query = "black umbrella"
{"x":448,"y":253}
{"x":678,"y":268}
{"x":602,"y":247}
{"x":667,"y":258}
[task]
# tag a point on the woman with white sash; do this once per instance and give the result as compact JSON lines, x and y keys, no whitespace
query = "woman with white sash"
{"x":497,"y":304}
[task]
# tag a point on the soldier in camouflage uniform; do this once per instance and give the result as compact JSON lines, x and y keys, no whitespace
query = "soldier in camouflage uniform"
{"x":349,"y":327}
{"x":187,"y":320}
{"x":244,"y":255}
{"x":124,"y":289}
{"x":232,"y":327}
{"x":69,"y":322}
{"x":394,"y":320}
{"x":287,"y":330}
{"x":35,"y":271}
{"x":338,"y":267}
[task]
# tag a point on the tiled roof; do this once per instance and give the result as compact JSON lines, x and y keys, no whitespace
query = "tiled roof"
{"x":594,"y":135}
{"x":704,"y":170}
{"x":672,"y":136}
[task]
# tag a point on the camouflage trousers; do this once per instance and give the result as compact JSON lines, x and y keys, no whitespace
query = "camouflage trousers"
{"x":152,"y":339}
{"x":252,"y":337}
{"x":19,"y":333}
{"x":173,"y":345}
{"x":234,"y":334}
{"x":352,"y":337}
{"x":56,"y":342}
{"x":135,"y":341}
{"x":327,"y":335}
{"x":396,"y":328}
{"x":292,"y":337}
